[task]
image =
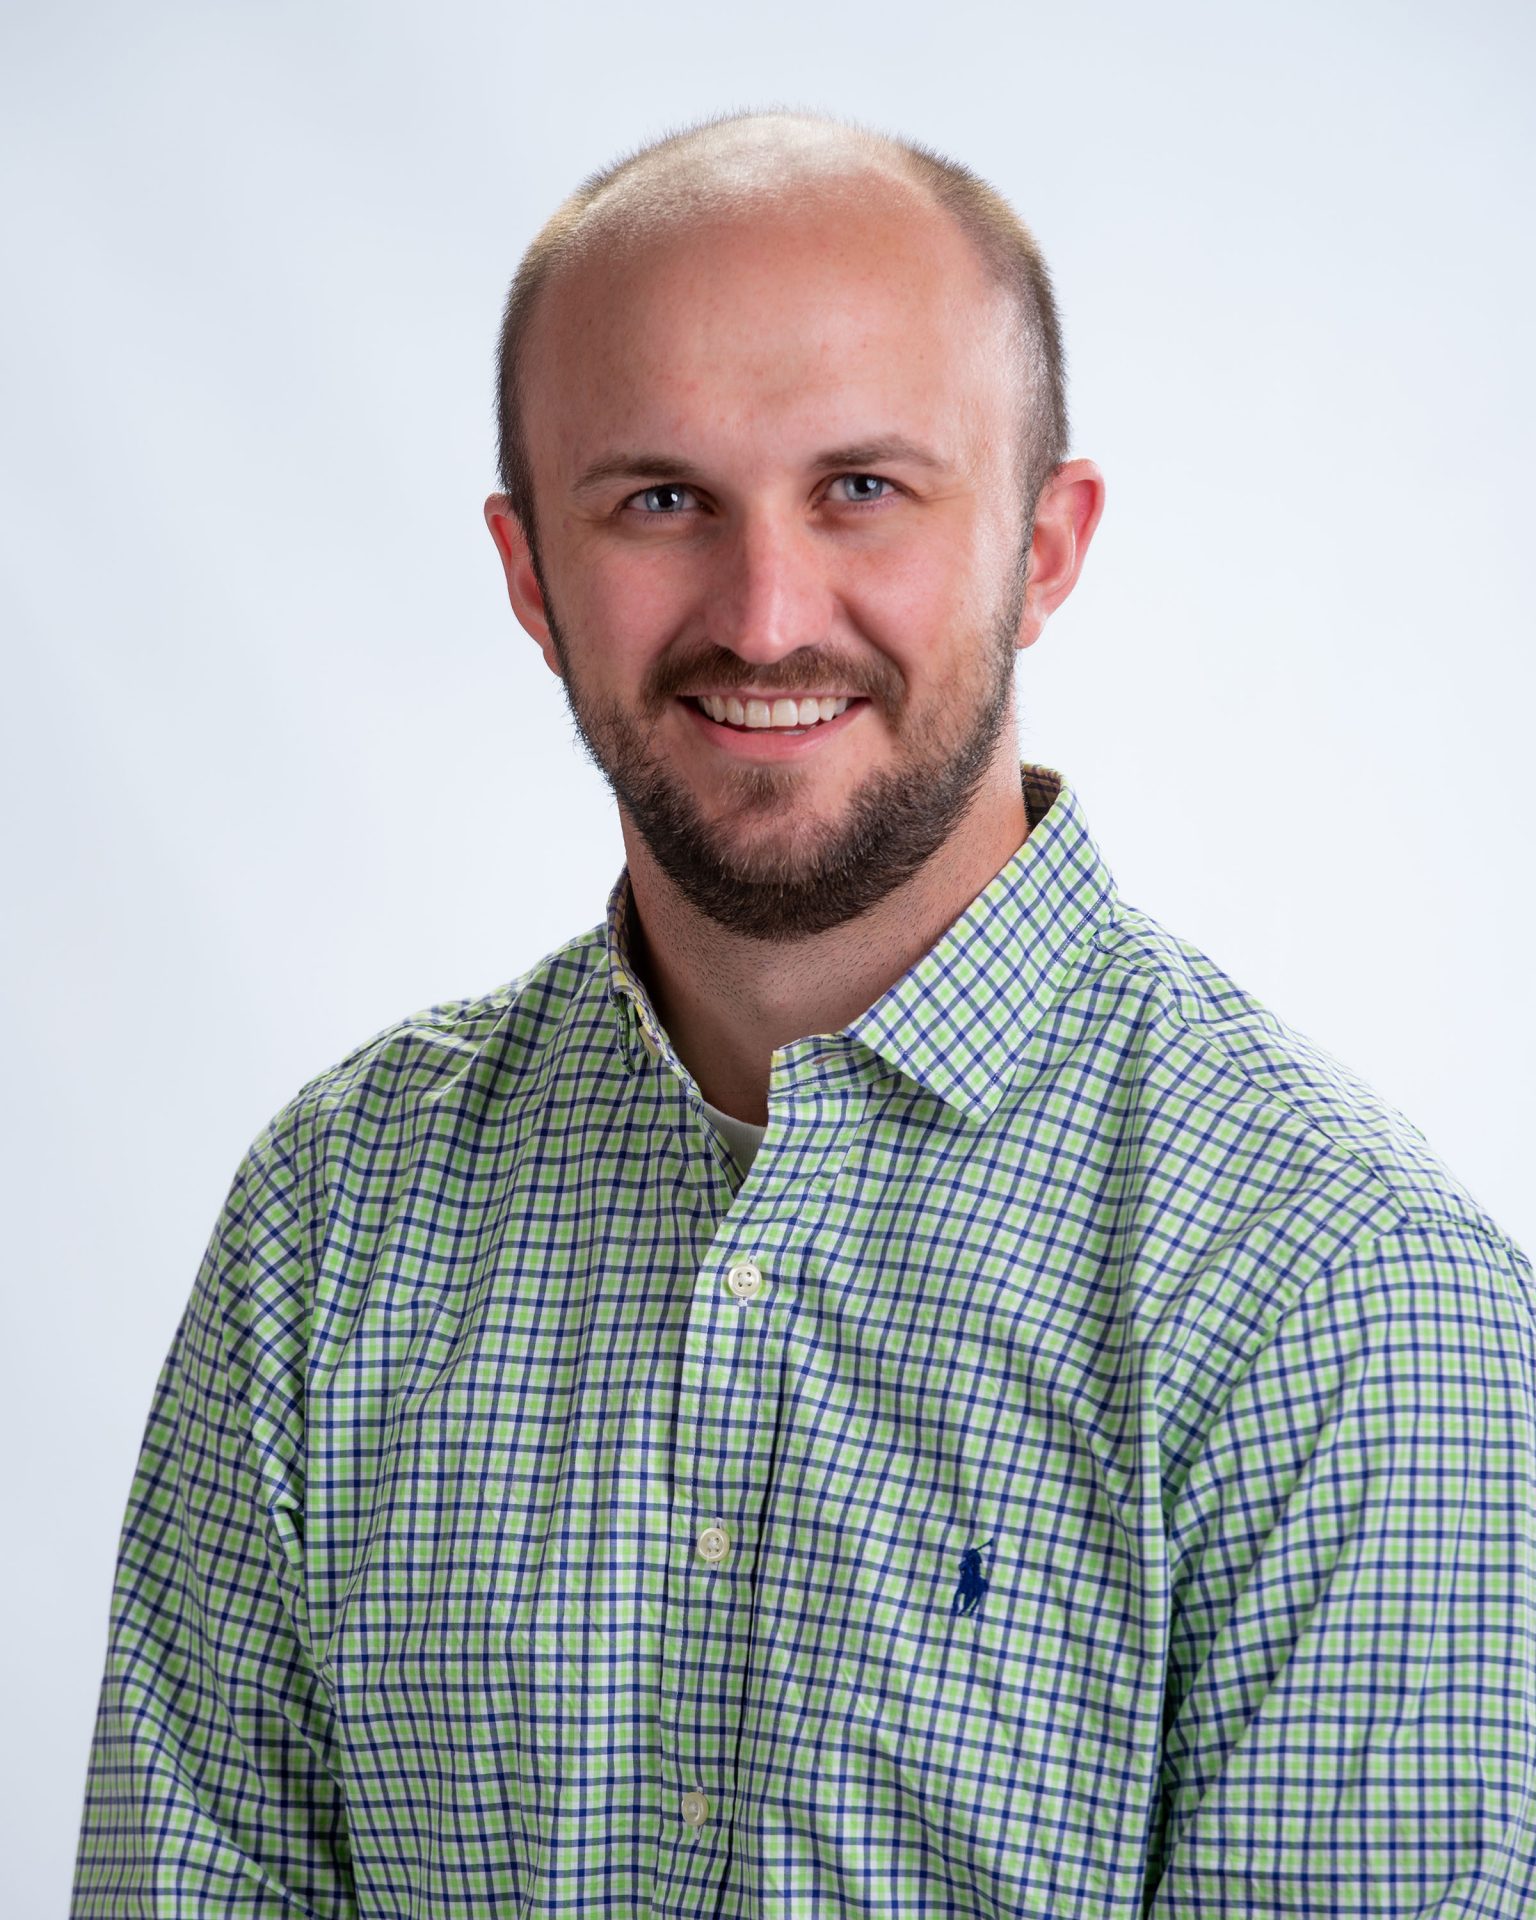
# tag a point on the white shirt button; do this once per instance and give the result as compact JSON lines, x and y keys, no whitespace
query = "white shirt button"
{"x":695,"y":1809}
{"x":745,"y":1279}
{"x":714,"y":1544}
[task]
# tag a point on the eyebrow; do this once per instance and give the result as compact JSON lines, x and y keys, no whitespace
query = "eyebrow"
{"x":854,"y":458}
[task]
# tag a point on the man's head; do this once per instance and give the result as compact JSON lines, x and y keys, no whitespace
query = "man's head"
{"x":780,"y":406}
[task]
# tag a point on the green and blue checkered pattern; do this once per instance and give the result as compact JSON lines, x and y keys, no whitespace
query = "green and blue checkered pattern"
{"x":1085,"y":1469}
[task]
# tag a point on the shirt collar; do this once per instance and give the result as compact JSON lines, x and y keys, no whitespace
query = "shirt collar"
{"x":958,"y":1019}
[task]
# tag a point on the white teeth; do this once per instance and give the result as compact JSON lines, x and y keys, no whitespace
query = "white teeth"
{"x":784,"y":713}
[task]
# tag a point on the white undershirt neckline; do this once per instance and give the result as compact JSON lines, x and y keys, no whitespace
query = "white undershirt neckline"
{"x":741,"y":1136}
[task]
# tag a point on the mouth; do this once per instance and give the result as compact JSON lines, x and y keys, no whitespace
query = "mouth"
{"x":782,"y":713}
{"x":770,"y":742}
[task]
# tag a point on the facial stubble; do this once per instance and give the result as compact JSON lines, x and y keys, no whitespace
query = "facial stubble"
{"x":826,"y":873}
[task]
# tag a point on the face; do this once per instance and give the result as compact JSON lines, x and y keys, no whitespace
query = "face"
{"x":774,"y":460}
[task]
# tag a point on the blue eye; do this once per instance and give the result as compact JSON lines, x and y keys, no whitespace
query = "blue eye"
{"x":859,"y":482}
{"x":661,"y":500}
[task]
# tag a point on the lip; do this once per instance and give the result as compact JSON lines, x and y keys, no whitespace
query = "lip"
{"x":764,"y":743}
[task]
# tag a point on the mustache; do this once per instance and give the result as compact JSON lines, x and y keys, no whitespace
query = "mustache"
{"x":727,"y":674}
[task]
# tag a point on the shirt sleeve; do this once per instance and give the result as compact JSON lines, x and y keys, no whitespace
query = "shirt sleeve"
{"x":1350,"y":1720}
{"x":212,"y":1785}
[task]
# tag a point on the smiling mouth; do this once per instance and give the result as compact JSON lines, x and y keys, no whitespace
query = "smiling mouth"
{"x":782,"y":716}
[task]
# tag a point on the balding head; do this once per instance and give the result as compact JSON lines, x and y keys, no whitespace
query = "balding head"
{"x":718,"y":168}
{"x":751,"y":166}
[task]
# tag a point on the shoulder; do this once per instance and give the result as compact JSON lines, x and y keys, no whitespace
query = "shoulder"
{"x":1266,"y":1123}
{"x":330,"y":1177}
{"x":437,"y":1060}
{"x":1274,"y":1216}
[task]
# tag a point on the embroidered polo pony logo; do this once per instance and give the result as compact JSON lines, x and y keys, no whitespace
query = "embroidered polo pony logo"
{"x":973,"y":1582}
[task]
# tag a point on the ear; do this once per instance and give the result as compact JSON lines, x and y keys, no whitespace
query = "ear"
{"x":523,"y":588}
{"x":1066,"y":514}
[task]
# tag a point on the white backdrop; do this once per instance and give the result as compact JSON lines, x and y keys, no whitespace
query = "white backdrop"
{"x":281,"y":768}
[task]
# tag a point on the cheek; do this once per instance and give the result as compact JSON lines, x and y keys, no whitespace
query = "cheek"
{"x":617,"y":598}
{"x":921,"y":593}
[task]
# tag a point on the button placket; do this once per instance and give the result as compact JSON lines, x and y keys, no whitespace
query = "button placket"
{"x":722,"y":1396}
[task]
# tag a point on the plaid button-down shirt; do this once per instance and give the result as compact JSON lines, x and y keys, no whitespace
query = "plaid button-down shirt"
{"x":1086,"y":1467}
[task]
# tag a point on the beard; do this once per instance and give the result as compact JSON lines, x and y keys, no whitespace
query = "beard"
{"x":814,"y":874}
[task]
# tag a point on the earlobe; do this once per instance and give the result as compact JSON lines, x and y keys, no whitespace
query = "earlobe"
{"x":517,"y":564}
{"x":1065,"y":523}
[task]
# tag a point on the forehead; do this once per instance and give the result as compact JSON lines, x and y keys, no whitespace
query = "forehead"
{"x":833,"y":314}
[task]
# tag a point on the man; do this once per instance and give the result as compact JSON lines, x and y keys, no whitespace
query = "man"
{"x":876,"y":1380}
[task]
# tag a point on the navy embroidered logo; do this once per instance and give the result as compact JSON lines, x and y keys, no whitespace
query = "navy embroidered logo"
{"x":973,"y":1582}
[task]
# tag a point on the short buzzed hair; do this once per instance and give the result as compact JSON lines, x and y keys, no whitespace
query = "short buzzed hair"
{"x":653,"y":184}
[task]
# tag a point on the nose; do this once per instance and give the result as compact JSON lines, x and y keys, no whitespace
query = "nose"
{"x":769,"y":594}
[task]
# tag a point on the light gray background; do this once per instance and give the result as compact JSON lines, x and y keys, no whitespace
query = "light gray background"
{"x":280,"y":768}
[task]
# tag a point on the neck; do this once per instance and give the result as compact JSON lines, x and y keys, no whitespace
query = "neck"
{"x":728,"y":1003}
